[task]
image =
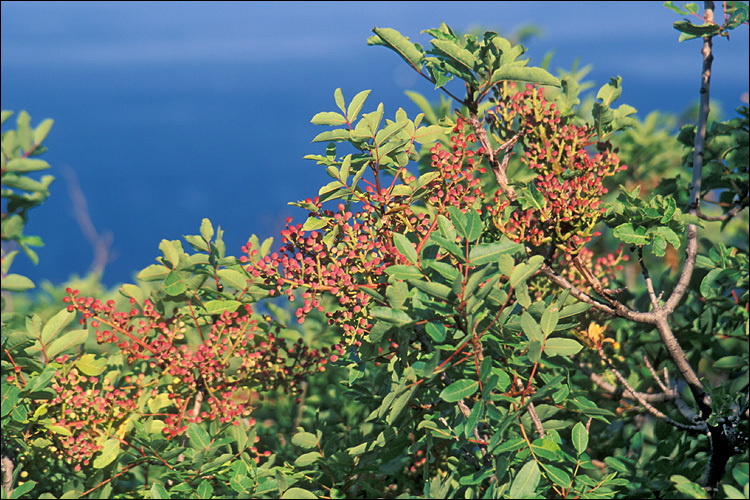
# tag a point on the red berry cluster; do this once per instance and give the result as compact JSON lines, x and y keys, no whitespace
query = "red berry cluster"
{"x":234,"y":355}
{"x":568,"y":177}
{"x":87,"y":409}
{"x":353,"y":250}
{"x":457,"y":186}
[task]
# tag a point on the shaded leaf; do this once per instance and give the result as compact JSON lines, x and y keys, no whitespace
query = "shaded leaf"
{"x":198,"y":436}
{"x":524,"y":271}
{"x":110,"y":450}
{"x":67,"y":341}
{"x":580,"y":437}
{"x":561,"y":347}
{"x":305,"y":440}
{"x":526,"y":481}
{"x":458,"y":390}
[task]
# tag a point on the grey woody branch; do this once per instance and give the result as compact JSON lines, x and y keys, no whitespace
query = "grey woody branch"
{"x":701,"y":427}
{"x":499,"y":168}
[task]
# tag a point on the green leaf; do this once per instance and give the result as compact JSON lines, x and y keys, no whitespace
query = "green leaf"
{"x":525,"y":483}
{"x":233,"y":278}
{"x":90,"y":365}
{"x":687,"y":487}
{"x":110,"y":450}
{"x":328,"y":118}
{"x":535,"y":198}
{"x":158,"y":492}
{"x":400,"y":44}
{"x":536,"y":76}
{"x":490,"y":252}
{"x":337,"y":135}
{"x":436,"y":331}
{"x":26,"y":183}
{"x":21,"y":490}
{"x":690,"y":30}
{"x":26,"y":165}
{"x":531,"y":328}
{"x":549,"y":320}
{"x":338,"y":96}
{"x":43,"y":379}
{"x":610,"y":92}
{"x":404,"y":272}
{"x":390,"y":315}
{"x":458,"y":390}
{"x":580,"y":438}
{"x":669,"y":235}
{"x":134,"y":292}
{"x":732,"y":492}
{"x":561,"y":347}
{"x":512,"y":444}
{"x":16,"y":283}
{"x":429,"y":134}
{"x":399,"y":404}
{"x":174,"y":284}
{"x":524,"y":271}
{"x":535,"y":351}
{"x":172,"y":251}
{"x":405,"y":248}
{"x":448,"y":245}
{"x":154,"y":272}
{"x":296,"y":492}
{"x":438,"y":290}
{"x":305,"y":440}
{"x":42,"y":130}
{"x":306,"y":459}
{"x":469,"y":225}
{"x":388,"y":133}
{"x":56,"y":325}
{"x":462,"y":56}
{"x":220,"y":306}
{"x":198,"y":436}
{"x":675,"y":8}
{"x":617,"y":465}
{"x":59,"y":429}
{"x":207,"y":230}
{"x":205,"y":490}
{"x":355,"y":106}
{"x":557,"y":475}
{"x":66,"y":342}
{"x":574,"y":309}
{"x":631,"y":235}
{"x":9,"y":398}
{"x":730,"y":362}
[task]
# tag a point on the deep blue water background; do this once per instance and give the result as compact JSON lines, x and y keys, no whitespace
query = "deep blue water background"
{"x":171,"y":112}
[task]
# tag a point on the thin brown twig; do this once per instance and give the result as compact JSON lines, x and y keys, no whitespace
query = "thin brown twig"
{"x":101,"y":244}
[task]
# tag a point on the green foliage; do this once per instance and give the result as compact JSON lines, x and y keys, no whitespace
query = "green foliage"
{"x":21,"y":192}
{"x":455,"y":328}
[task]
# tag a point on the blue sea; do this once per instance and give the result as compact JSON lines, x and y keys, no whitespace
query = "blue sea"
{"x":166,"y":113}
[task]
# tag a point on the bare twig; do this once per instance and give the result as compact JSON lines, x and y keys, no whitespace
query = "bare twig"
{"x":647,"y":278}
{"x":532,"y":412}
{"x":737,"y":208}
{"x":668,"y":395}
{"x":101,"y":244}
{"x":702,"y":427}
{"x":498,"y":168}
{"x":654,"y":374}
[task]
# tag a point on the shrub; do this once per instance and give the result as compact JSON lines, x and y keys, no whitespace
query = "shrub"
{"x":463,"y":324}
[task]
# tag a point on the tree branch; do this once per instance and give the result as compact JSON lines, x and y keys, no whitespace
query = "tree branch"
{"x":690,"y":428}
{"x":498,"y":168}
